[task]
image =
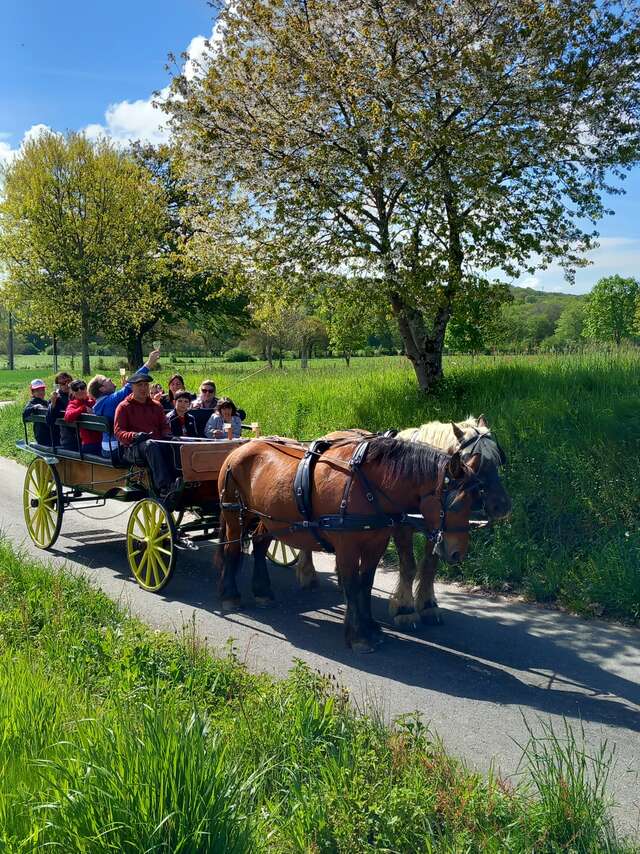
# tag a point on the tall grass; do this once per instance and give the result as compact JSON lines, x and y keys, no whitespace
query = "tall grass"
{"x":569,"y":424}
{"x":116,"y":738}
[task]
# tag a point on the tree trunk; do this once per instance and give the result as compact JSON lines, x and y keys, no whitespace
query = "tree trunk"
{"x":135,"y":357}
{"x":304,"y":357}
{"x":54,"y":350}
{"x":10,"y":356}
{"x":347,"y":357}
{"x":269,"y":353}
{"x":86,"y":362}
{"x":280,"y":358}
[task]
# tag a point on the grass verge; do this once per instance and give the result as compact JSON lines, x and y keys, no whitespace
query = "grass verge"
{"x":117,"y":738}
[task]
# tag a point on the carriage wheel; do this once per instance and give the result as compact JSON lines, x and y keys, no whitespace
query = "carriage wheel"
{"x":282,"y":554}
{"x":42,"y":503}
{"x":151,"y":548}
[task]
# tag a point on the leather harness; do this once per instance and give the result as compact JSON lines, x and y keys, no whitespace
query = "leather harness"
{"x":352,"y":522}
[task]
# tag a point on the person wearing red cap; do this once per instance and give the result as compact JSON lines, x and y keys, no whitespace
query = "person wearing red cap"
{"x":37,"y":405}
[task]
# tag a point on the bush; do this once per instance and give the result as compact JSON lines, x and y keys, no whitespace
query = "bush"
{"x":237,"y":354}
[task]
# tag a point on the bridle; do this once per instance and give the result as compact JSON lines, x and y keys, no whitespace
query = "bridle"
{"x":487,"y":475}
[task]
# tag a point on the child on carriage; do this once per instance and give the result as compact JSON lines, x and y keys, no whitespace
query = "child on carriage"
{"x":225,"y":413}
{"x":79,"y":404}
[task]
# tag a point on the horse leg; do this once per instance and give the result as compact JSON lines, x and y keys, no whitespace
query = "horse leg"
{"x":306,"y":572}
{"x":261,"y":583}
{"x":401,"y":605}
{"x":232,"y":559}
{"x":357,"y":627}
{"x":425,"y":598}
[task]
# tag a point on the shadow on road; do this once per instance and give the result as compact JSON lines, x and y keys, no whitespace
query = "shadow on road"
{"x":469,"y":656}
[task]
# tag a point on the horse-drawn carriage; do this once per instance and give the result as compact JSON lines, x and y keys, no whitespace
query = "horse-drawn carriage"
{"x":59,"y":480}
{"x":347,"y":494}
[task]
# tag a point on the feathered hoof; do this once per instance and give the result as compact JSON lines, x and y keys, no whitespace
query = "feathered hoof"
{"x":361,"y":646}
{"x":407,"y":617}
{"x":264,"y":601}
{"x":234,"y":604}
{"x":431,"y":616}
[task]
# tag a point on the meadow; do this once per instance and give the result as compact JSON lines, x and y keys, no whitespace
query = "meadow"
{"x":114,"y":738}
{"x":569,"y":424}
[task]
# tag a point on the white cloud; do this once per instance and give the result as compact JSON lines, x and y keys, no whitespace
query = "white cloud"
{"x":615,"y":255}
{"x":6,"y":152}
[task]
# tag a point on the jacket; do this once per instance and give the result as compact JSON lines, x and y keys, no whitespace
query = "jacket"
{"x":185,"y":426}
{"x":74,"y":410}
{"x":56,"y":410}
{"x":106,"y":406}
{"x":40,"y":431}
{"x":216,"y":424}
{"x":133,"y":417}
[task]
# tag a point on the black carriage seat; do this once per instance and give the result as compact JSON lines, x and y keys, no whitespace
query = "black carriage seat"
{"x":90,"y":422}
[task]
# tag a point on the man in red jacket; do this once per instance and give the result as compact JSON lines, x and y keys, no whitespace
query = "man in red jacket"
{"x":138,"y":422}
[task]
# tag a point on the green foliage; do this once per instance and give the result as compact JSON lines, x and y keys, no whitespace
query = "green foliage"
{"x":611,"y":308}
{"x":114,"y":737}
{"x":237,"y":354}
{"x":80,"y":224}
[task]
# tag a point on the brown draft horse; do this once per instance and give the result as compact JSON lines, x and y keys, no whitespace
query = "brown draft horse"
{"x":256,"y":487}
{"x":473,"y":436}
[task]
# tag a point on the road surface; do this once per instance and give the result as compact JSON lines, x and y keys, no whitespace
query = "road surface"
{"x":494,"y":663}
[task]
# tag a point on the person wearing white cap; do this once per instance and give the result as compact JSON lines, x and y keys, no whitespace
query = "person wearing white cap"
{"x":37,"y":404}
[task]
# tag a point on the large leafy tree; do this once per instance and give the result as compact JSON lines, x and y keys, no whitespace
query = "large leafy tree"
{"x":80,"y":224}
{"x":415,"y":141}
{"x":610,"y":309}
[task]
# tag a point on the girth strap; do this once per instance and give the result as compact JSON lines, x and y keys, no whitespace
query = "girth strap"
{"x":303,"y":485}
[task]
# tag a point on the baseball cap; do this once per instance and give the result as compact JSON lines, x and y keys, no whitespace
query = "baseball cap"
{"x":38,"y":384}
{"x":140,"y":377}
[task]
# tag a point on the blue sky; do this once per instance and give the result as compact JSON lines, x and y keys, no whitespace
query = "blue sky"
{"x":94,"y":65}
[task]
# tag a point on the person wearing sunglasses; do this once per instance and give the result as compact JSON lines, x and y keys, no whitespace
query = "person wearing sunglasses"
{"x":207,"y":398}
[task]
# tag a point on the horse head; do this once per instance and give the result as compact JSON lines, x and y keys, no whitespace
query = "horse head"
{"x":475,"y":440}
{"x":446,"y":510}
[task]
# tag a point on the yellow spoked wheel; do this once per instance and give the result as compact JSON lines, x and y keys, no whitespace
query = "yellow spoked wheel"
{"x":151,"y":544}
{"x":282,"y":554}
{"x":42,"y":503}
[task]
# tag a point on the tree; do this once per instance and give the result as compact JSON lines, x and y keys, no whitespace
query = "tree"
{"x":475,"y":316}
{"x":610,"y":309}
{"x":348,"y":308}
{"x":413,"y":141}
{"x":570,"y":325}
{"x":79,"y":229}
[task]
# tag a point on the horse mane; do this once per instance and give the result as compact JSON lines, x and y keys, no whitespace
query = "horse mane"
{"x":440,"y":434}
{"x":416,"y":462}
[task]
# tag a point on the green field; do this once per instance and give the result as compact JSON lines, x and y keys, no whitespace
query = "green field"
{"x":569,"y":424}
{"x":114,"y":738}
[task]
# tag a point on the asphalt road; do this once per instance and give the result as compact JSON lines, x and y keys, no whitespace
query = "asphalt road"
{"x":493,"y":665}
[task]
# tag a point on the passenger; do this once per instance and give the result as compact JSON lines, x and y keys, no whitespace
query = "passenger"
{"x":181,"y":421}
{"x":138,"y":421}
{"x":38,"y":406}
{"x":176,"y":384}
{"x":58,"y":404}
{"x":207,"y":398}
{"x":226,"y":413}
{"x":107,"y":399}
{"x":80,"y":404}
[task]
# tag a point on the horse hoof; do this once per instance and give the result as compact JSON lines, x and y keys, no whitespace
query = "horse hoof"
{"x":406,"y":618}
{"x":231,"y":604}
{"x":431,"y":616}
{"x":361,"y":646}
{"x":264,"y":601}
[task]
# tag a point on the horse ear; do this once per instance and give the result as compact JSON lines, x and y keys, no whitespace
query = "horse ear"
{"x":455,"y":469}
{"x":459,"y":434}
{"x":482,"y":421}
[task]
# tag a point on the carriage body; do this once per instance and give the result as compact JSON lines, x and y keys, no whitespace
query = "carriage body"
{"x":58,"y":480}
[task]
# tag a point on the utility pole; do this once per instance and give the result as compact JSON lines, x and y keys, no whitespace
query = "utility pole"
{"x":10,"y":347}
{"x":54,"y":350}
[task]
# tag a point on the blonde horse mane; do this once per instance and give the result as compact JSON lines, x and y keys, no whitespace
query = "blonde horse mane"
{"x":440,"y":433}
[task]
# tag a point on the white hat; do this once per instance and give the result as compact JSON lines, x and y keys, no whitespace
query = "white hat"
{"x":38,"y":384}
